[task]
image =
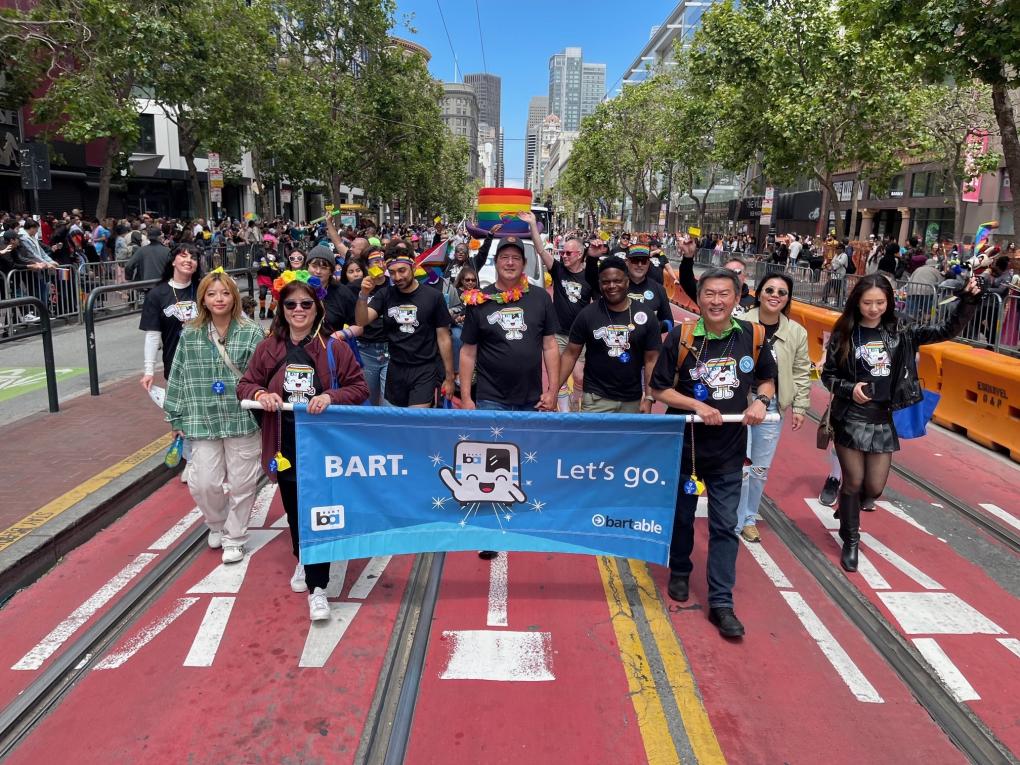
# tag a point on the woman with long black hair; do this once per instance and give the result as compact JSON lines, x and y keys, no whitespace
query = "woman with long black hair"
{"x":871,"y":370}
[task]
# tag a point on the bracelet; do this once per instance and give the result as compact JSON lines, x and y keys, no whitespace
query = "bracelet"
{"x":258,"y":395}
{"x":363,"y":298}
{"x":348,"y":335}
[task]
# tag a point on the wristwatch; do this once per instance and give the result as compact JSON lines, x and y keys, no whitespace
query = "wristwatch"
{"x":763,"y":398}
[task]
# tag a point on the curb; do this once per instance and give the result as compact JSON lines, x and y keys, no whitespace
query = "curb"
{"x":29,"y":558}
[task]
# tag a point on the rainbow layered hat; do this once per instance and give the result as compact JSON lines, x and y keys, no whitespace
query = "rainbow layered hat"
{"x":496,"y":205}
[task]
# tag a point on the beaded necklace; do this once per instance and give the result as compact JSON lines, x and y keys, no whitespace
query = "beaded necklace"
{"x":694,"y":485}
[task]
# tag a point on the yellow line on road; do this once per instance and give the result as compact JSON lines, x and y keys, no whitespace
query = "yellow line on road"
{"x":651,"y":717}
{"x":52,"y":509}
{"x":699,"y":729}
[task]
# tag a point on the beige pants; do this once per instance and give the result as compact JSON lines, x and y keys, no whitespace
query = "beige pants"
{"x":218,"y":461}
{"x":593,"y":403}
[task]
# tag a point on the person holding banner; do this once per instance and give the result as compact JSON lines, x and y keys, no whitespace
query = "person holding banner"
{"x":708,"y":368}
{"x":871,"y":370}
{"x":621,"y":339}
{"x":417,"y":326}
{"x":201,"y":406}
{"x":292,"y":365}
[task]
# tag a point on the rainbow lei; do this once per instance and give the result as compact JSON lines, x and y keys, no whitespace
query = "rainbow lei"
{"x":477,"y":297}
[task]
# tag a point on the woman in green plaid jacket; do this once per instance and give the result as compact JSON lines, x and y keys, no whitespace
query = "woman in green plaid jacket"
{"x":201,"y":404}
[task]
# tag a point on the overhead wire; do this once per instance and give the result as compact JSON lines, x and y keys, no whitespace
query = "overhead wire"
{"x":449,"y":39}
{"x":481,"y":37}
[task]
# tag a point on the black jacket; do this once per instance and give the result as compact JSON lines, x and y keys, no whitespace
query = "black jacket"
{"x":901,"y":342}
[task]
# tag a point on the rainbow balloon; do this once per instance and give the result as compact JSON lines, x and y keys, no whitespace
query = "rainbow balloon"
{"x":501,"y":205}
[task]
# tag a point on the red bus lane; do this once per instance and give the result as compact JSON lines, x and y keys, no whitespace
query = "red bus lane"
{"x":803,"y":685}
{"x":225,"y":666}
{"x":523,"y":667}
{"x":958,"y":617}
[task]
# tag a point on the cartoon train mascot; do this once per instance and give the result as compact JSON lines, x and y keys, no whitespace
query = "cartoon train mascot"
{"x":485,"y":472}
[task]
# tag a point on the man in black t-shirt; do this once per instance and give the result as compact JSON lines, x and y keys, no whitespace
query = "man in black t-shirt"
{"x":509,"y":330}
{"x":646,"y":290}
{"x":621,"y":339}
{"x":717,"y":372}
{"x":417,"y":326}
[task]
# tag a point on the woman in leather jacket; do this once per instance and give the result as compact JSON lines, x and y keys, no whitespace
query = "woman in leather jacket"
{"x":871,"y":370}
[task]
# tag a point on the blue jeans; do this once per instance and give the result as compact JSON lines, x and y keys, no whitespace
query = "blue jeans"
{"x":497,"y":406}
{"x":376,"y":359}
{"x":723,"y":498}
{"x":762,"y":441}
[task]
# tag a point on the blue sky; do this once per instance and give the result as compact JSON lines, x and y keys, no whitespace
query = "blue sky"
{"x":519,"y":37}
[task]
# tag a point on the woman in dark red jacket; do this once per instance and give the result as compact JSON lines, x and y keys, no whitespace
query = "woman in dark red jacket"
{"x":292,"y":366}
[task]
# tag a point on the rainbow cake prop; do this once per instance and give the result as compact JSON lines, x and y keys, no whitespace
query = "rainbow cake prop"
{"x":501,"y":205}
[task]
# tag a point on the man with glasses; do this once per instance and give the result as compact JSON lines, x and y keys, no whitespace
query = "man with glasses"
{"x":689,"y":282}
{"x":417,"y":325}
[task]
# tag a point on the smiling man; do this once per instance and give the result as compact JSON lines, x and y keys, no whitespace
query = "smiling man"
{"x":709,"y":368}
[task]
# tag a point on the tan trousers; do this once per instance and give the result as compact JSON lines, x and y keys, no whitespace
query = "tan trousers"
{"x":218,"y":461}
{"x":592,"y":403}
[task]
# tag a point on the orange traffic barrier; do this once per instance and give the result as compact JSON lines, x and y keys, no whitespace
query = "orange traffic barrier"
{"x":929,"y":364}
{"x":676,"y":294}
{"x":818,"y":322}
{"x":981,"y":397}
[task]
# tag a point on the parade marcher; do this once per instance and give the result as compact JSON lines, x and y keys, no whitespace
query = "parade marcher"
{"x":708,"y":368}
{"x":871,"y":369}
{"x":292,"y":366}
{"x":621,"y":339}
{"x":267,"y":269}
{"x":417,"y":326}
{"x":788,"y":342}
{"x":201,"y":405}
{"x":168,"y":306}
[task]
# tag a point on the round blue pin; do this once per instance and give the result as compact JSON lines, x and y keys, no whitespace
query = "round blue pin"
{"x":624,"y":357}
{"x":272,"y":465}
{"x":219,"y":388}
{"x":690,"y":487}
{"x":700,"y":391}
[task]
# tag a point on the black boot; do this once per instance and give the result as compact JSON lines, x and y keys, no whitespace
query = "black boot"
{"x":849,"y":529}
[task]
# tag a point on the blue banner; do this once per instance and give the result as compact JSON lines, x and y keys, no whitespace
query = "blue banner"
{"x":381,"y":481}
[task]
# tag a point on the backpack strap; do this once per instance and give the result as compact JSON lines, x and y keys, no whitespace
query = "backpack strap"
{"x":759,"y":341}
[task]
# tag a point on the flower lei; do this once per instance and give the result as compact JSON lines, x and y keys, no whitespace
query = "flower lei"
{"x":477,"y":297}
{"x":288,"y":276}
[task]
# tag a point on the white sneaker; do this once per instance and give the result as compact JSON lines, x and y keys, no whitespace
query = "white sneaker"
{"x":30,"y":318}
{"x":184,"y":472}
{"x":215,"y":539}
{"x":297,"y":581}
{"x":318,"y":606}
{"x":233,"y":553}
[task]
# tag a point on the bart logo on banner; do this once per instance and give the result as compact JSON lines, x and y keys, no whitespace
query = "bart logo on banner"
{"x":329,"y":517}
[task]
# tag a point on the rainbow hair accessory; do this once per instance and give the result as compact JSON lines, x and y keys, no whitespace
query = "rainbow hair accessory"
{"x":302,"y":276}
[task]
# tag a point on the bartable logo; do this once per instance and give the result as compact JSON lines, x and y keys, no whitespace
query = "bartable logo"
{"x":327,"y":517}
{"x":640,"y":524}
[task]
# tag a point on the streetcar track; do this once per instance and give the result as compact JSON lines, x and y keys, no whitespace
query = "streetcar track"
{"x":964,"y":728}
{"x":985,"y":522}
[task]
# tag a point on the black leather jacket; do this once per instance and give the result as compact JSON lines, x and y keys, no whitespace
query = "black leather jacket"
{"x":901,"y":342}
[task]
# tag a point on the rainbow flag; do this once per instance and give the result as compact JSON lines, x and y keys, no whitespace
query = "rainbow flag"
{"x":429,"y":265}
{"x":984,"y":235}
{"x":501,"y":205}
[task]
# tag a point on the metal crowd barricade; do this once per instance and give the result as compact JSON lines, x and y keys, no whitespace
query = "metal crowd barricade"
{"x":1009,"y":333}
{"x":985,"y":327}
{"x":46,"y":330}
{"x":55,"y":288}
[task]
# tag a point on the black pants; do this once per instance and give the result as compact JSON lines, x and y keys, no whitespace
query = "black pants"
{"x":316,"y":574}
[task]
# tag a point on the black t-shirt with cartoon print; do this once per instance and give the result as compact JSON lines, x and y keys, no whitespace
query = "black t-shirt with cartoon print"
{"x":656,"y":266}
{"x":728,"y":374}
{"x":410,"y":321}
{"x":872,"y":362}
{"x":654,"y":297}
{"x":615,"y":353}
{"x":510,"y":338}
{"x":166,"y":310}
{"x":301,"y":383}
{"x":571,"y":293}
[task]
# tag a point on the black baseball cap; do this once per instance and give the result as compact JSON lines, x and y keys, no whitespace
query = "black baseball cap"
{"x":11,"y":235}
{"x":511,"y":241}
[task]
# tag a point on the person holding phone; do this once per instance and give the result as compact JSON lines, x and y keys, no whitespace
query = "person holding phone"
{"x":871,"y":369}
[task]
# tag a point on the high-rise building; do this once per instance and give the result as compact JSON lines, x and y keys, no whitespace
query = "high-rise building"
{"x":575,"y":88}
{"x":500,"y":169}
{"x":538,"y":108}
{"x":459,"y":107}
{"x":487,"y":89}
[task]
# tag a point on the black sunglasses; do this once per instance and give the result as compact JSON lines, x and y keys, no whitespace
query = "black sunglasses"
{"x":306,"y":305}
{"x":639,"y":261}
{"x":774,"y":291}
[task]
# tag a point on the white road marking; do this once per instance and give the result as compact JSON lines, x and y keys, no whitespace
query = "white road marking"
{"x":52,"y":642}
{"x":901,"y":563}
{"x":210,"y":633}
{"x":260,"y":507}
{"x":1010,"y":644}
{"x":948,"y":672}
{"x":228,"y":577}
{"x":280,"y":523}
{"x":866,"y":568}
{"x":503,"y":656}
{"x":823,"y":513}
{"x":768,"y":565}
{"x":144,"y":636}
{"x":337,"y":576}
{"x":177,"y":530}
{"x":701,"y":509}
{"x":324,"y":636}
{"x":902,"y":515}
{"x":937,"y":613}
{"x":1000,"y":513}
{"x":369,"y":577}
{"x":840,"y":660}
{"x":497,"y":591}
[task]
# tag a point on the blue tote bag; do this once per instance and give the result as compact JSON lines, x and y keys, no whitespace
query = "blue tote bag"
{"x":911,"y":421}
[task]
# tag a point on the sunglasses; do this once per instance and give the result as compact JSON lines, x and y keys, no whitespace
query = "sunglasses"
{"x":639,"y":261}
{"x":737,"y":271}
{"x":306,"y":305}
{"x":774,"y":291}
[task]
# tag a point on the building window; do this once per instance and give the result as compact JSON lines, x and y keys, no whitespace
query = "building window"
{"x":146,"y":134}
{"x":932,"y":223}
{"x":896,"y":188}
{"x":928,"y":184}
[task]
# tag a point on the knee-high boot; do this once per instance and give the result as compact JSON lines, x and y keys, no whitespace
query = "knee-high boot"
{"x":849,"y":529}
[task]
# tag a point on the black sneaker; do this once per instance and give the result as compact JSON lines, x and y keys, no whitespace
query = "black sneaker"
{"x":679,"y":587}
{"x":829,"y":491}
{"x":727,"y":622}
{"x":487,"y":554}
